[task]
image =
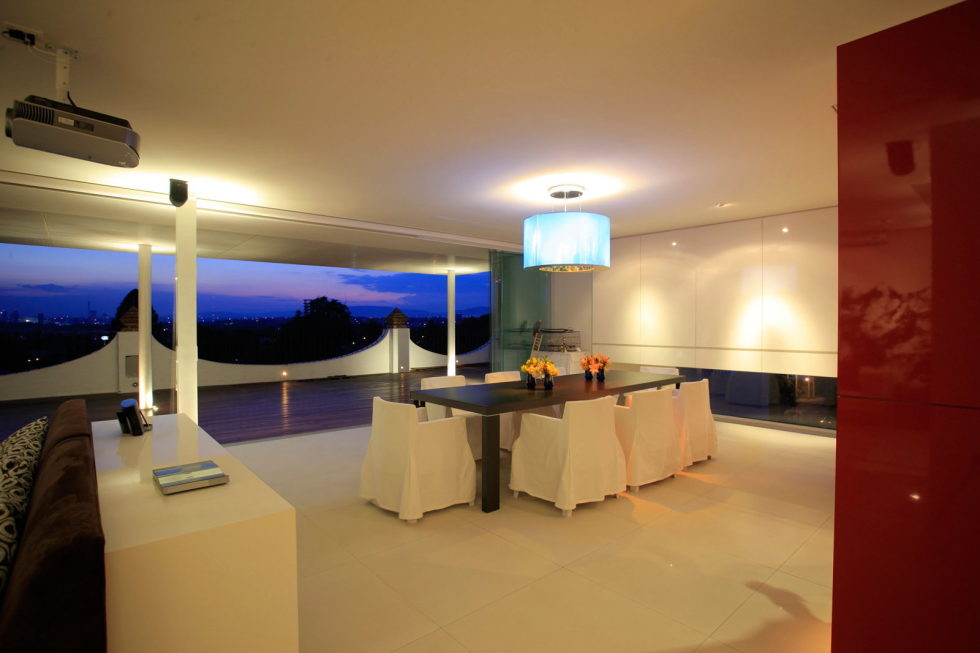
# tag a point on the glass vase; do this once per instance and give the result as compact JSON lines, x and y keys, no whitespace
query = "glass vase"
{"x":549,"y":382}
{"x":601,"y":374}
{"x":588,"y":375}
{"x":530,"y":382}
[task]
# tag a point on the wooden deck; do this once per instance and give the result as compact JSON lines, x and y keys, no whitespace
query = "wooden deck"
{"x":256,"y":411}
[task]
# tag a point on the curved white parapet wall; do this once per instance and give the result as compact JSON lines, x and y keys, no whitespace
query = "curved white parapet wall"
{"x":424,"y":358}
{"x":94,"y":373}
{"x":105,"y":370}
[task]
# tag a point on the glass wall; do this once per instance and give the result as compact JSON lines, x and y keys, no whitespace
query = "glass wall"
{"x":519,"y":299}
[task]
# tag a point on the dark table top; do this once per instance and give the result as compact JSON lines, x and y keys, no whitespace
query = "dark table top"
{"x":496,"y":398}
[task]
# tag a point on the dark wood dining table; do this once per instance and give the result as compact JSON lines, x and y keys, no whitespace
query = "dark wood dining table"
{"x":491,"y":399}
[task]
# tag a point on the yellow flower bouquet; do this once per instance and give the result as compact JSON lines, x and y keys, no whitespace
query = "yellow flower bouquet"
{"x":538,"y":368}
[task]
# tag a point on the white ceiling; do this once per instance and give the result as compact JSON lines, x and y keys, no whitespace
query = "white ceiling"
{"x":376,"y":117}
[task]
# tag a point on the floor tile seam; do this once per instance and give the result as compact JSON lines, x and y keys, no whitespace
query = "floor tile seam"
{"x":408,"y":601}
{"x":785,"y":520}
{"x":362,"y":555}
{"x":503,"y":597}
{"x":390,"y":550}
{"x":721,"y":624}
{"x":456,"y":639}
{"x":611,"y":513}
{"x":614,"y":590}
{"x":429,"y":634}
{"x":805,"y":579}
{"x":781,"y":516}
{"x":797,"y":549}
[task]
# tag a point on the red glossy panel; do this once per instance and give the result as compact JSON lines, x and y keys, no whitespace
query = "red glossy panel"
{"x":909,"y":170}
{"x":906,"y":529}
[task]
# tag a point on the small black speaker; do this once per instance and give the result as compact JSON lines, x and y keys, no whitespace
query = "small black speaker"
{"x":178,"y":192}
{"x":131,"y":419}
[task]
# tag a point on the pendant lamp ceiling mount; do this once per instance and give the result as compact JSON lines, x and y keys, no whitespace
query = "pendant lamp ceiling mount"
{"x":566,"y":191}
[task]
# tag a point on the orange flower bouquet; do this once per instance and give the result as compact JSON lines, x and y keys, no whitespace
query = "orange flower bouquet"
{"x":595,"y":364}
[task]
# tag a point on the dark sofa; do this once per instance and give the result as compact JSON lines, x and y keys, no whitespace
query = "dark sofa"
{"x":54,"y":599}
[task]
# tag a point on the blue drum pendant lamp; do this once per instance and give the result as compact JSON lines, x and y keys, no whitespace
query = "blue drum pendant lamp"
{"x":566,"y":241}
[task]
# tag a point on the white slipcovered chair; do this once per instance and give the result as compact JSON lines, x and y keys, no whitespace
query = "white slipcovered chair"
{"x":653,"y":369}
{"x":474,"y":427}
{"x":648,"y":434}
{"x":696,"y":423}
{"x":510,"y":423}
{"x":572,"y":460}
{"x":412,"y":467}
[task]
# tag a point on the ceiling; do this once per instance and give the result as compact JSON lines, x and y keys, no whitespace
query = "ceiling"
{"x":395,"y":135}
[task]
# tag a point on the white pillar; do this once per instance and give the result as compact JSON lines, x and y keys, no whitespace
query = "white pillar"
{"x":451,"y":319}
{"x":145,"y":329}
{"x":185,"y":311}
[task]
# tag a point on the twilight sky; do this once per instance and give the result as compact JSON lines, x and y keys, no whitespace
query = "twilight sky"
{"x":58,"y":281}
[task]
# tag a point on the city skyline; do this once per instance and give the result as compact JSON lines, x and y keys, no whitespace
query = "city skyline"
{"x":62,"y":282}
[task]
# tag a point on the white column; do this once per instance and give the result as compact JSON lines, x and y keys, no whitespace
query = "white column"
{"x":451,"y":319}
{"x":145,"y":329}
{"x":185,"y":311}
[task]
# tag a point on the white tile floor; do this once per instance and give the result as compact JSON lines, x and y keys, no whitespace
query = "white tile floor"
{"x":733,"y":555}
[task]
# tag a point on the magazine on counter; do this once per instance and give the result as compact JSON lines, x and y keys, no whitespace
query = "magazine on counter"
{"x":190,"y":476}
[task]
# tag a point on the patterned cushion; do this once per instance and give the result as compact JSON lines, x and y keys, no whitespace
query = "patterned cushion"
{"x":18,"y":460}
{"x":8,"y":541}
{"x":20,"y":452}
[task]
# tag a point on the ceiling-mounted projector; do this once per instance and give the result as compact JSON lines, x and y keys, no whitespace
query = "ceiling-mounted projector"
{"x":60,"y":128}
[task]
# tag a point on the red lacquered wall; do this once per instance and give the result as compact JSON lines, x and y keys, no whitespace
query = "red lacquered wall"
{"x":907,"y":519}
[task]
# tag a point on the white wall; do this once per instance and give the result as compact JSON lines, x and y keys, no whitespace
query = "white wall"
{"x":736,"y":296}
{"x":571,"y":304}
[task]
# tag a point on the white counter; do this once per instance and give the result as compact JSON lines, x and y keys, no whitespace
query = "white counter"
{"x":207,"y":570}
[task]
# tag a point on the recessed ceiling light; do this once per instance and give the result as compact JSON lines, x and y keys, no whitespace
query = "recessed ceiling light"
{"x":722,"y":205}
{"x":785,"y":230}
{"x":674,"y":244}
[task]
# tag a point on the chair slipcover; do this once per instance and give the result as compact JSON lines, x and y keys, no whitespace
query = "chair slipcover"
{"x":474,"y":425}
{"x":648,"y":434}
{"x":412,"y":467}
{"x":510,"y":423}
{"x":695,"y":421}
{"x":572,"y":460}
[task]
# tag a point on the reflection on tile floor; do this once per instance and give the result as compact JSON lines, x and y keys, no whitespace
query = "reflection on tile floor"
{"x":732,"y":555}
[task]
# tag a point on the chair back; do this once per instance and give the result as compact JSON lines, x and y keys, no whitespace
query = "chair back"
{"x":501,"y":377}
{"x":695,"y":396}
{"x":650,"y":436}
{"x":393,"y":427}
{"x":590,"y":427}
{"x":696,"y":421}
{"x":435,"y":411}
{"x":654,"y":409}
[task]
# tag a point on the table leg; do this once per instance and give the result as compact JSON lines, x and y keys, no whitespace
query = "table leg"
{"x":491,"y":462}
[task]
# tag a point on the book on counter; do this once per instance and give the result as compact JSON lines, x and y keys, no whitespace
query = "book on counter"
{"x":190,"y":476}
